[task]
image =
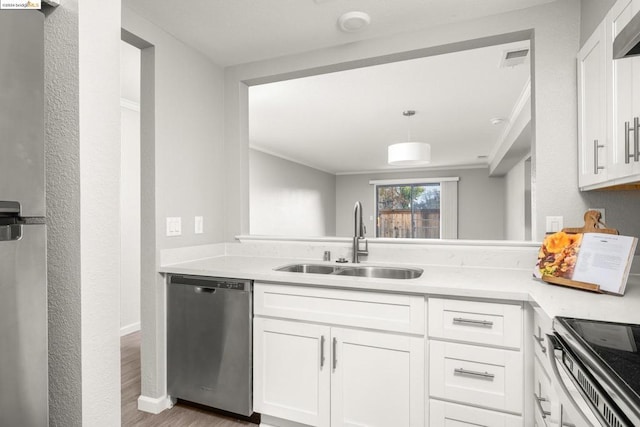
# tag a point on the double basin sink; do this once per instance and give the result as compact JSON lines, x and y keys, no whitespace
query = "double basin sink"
{"x":371,"y":271}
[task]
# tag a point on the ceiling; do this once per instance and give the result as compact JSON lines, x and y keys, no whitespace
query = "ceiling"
{"x":343,"y":122}
{"x":239,"y":31}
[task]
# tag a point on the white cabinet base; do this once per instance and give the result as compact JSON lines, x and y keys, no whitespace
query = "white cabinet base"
{"x":446,"y":414}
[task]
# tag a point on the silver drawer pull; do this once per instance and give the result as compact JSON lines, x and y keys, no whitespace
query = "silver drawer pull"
{"x":486,"y":323}
{"x":539,"y":401}
{"x":321,"y":351}
{"x":462,"y":371}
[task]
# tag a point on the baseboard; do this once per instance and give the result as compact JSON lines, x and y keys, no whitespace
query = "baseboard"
{"x":129,"y":329}
{"x":154,"y":405}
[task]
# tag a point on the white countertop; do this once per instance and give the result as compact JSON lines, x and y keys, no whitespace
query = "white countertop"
{"x":456,"y":281}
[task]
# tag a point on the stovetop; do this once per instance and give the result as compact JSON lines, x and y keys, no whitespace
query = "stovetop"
{"x":616,"y":345}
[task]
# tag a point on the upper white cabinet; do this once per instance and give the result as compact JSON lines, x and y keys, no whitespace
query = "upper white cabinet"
{"x":624,"y":97}
{"x":592,"y":111}
{"x":608,"y":106}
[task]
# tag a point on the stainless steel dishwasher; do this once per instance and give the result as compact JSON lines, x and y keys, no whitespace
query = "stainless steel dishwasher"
{"x":209,"y":342}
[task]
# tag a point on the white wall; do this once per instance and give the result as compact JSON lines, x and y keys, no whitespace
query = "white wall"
{"x":515,"y":193}
{"x":480,"y":201}
{"x":99,"y":130}
{"x":290,"y":199}
{"x":183,"y":165}
{"x":555,"y":32}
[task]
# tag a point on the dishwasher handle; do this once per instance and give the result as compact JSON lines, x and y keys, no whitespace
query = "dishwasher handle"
{"x":205,"y":284}
{"x":201,"y":290}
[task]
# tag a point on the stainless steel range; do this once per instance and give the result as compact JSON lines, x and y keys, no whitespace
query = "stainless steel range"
{"x":597,"y":369}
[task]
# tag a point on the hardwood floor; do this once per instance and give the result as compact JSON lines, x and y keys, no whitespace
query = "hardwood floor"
{"x":178,"y":416}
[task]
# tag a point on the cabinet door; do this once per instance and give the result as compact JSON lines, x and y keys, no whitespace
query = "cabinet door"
{"x":592,"y":111}
{"x":291,"y":369}
{"x":624,"y":95}
{"x":377,"y":380}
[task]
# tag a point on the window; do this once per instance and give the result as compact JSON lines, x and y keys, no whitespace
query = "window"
{"x":417,"y":209}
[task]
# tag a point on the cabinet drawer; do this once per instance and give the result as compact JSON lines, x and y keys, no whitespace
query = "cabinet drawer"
{"x":445,"y":414}
{"x":546,"y":404}
{"x":373,"y":310}
{"x":476,"y":322}
{"x":481,"y":376}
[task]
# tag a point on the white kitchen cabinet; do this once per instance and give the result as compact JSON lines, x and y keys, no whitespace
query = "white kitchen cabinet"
{"x":377,"y":380}
{"x":592,"y":109}
{"x":608,"y":106}
{"x":291,"y":371}
{"x":331,"y":375}
{"x":480,"y":376}
{"x":624,"y":98}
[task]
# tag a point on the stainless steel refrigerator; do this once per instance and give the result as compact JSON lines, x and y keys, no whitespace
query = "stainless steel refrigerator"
{"x":23,"y":240}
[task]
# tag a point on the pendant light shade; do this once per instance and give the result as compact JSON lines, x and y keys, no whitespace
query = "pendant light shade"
{"x":409,"y":153}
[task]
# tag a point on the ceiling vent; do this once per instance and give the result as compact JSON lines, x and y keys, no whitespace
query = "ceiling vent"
{"x":511,"y":58}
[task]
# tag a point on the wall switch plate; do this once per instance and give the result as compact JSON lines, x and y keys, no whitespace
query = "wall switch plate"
{"x":174,"y":226}
{"x":198,"y":226}
{"x":554,"y":224}
{"x":601,"y":210}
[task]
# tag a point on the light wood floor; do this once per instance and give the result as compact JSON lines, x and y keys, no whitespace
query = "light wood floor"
{"x":178,"y":416}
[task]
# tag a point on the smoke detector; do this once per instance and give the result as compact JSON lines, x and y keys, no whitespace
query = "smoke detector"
{"x":352,"y":22}
{"x":511,"y":58}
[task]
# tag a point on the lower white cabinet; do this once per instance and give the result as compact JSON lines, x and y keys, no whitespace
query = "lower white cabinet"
{"x":446,"y":414}
{"x":481,"y":376}
{"x":291,"y":371}
{"x":331,"y":376}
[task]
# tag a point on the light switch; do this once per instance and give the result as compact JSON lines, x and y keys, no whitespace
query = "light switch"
{"x":198,"y":225}
{"x":174,"y":226}
{"x":554,"y":224}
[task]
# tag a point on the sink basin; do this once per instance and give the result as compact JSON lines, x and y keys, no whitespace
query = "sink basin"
{"x":308,"y":268}
{"x":382,"y":272}
{"x":372,"y":271}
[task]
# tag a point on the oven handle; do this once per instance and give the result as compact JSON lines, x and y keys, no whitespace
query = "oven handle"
{"x":551,"y":353}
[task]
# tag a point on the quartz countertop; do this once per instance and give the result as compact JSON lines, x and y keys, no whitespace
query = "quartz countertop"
{"x":454,"y":281}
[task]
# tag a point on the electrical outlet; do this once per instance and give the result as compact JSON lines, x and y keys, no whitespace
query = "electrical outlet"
{"x":601,"y":210}
{"x":198,"y":227}
{"x":554,"y":223}
{"x":174,"y":226}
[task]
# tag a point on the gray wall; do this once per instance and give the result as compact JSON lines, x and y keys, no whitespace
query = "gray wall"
{"x":592,"y":12}
{"x":555,"y":28}
{"x":62,"y":145}
{"x":480,"y":201}
{"x":290,"y":199}
{"x":183,"y":170}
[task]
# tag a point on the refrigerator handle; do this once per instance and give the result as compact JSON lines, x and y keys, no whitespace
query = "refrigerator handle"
{"x":10,"y":232}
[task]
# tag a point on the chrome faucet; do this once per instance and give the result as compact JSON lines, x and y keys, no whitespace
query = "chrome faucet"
{"x":359,"y":231}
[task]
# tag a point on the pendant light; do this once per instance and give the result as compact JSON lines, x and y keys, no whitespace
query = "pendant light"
{"x":409,"y":153}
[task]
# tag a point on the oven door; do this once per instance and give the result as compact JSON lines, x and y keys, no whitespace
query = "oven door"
{"x":577,"y":408}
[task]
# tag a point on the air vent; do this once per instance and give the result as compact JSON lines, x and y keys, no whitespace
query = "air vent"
{"x":511,"y":58}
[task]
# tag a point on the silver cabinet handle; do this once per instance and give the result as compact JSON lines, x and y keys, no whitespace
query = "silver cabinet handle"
{"x":596,"y":167}
{"x":335,"y":355}
{"x":321,"y":351}
{"x":627,"y":151}
{"x":475,"y":322}
{"x":462,"y":371}
{"x":636,"y":139}
{"x":540,"y":340}
{"x":539,"y":401}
